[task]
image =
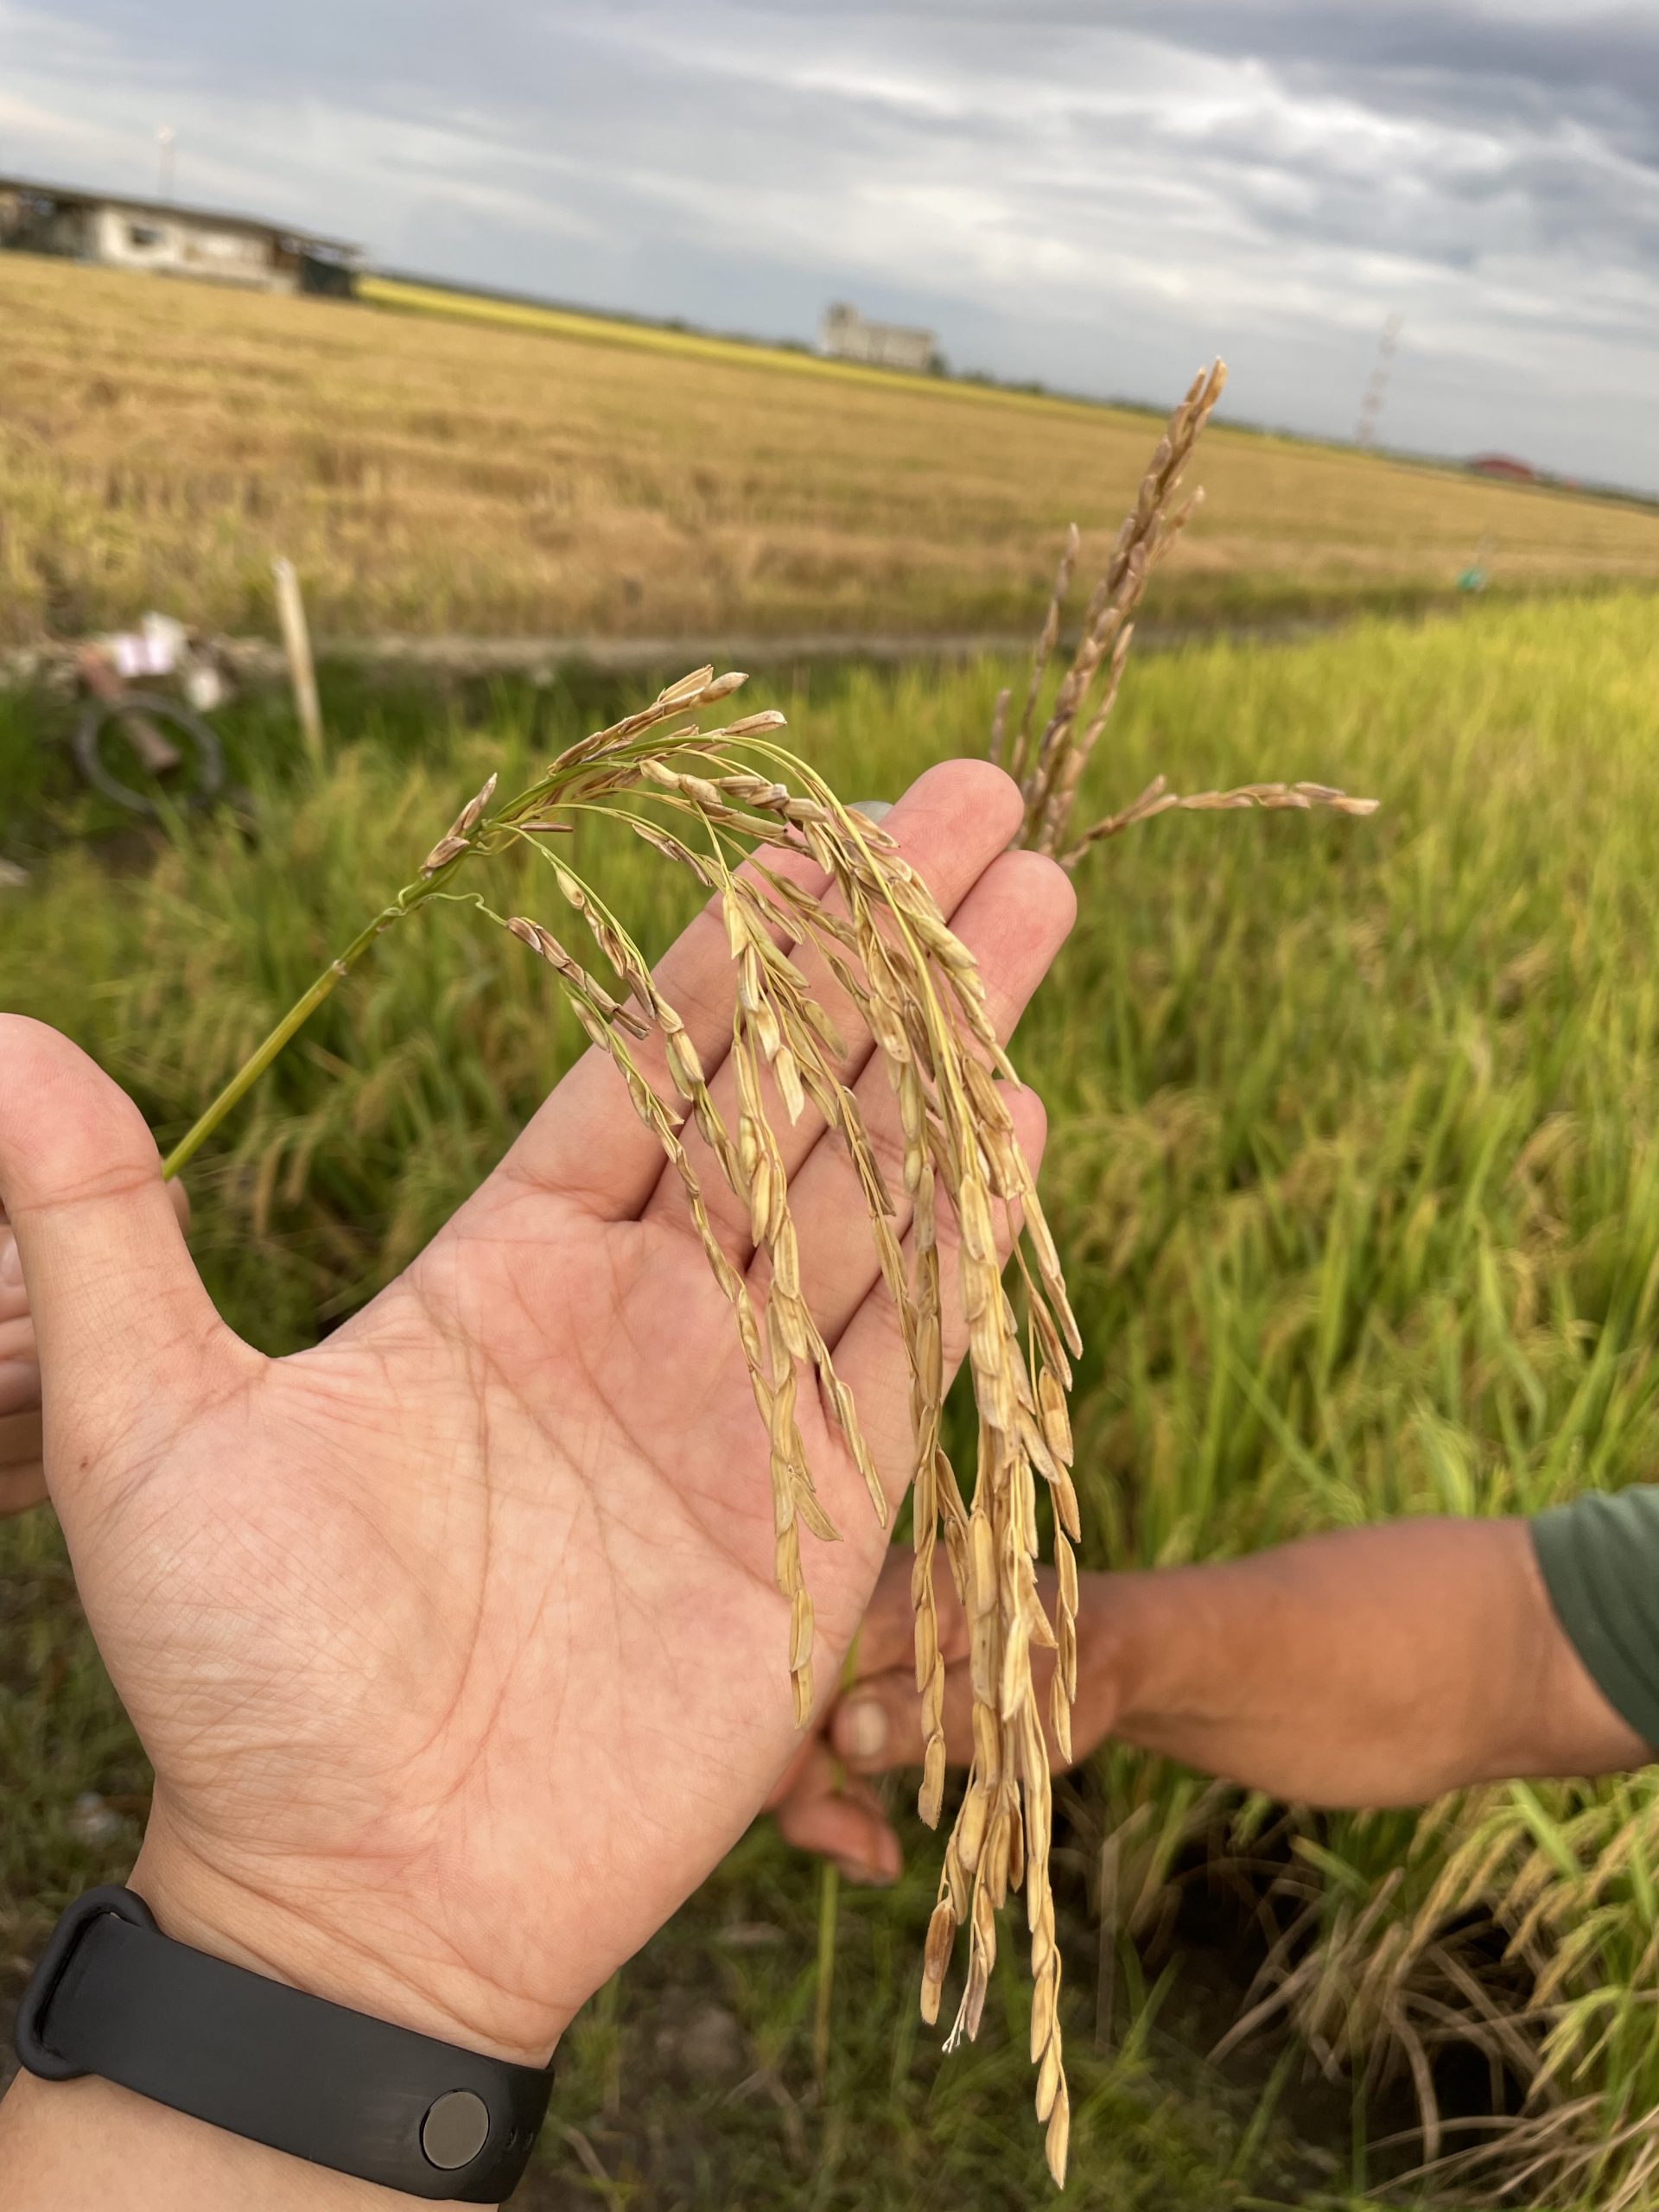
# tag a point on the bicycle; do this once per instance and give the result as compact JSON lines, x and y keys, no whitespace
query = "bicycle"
{"x":194,"y":768}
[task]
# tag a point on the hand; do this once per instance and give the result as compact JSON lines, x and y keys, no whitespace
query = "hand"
{"x":23,"y":1478}
{"x":823,"y":1803}
{"x":453,"y":1642}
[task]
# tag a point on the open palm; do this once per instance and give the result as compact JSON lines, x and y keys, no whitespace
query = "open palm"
{"x":453,"y":1642}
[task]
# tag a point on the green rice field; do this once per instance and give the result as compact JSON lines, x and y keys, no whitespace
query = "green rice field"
{"x":1355,"y":1164}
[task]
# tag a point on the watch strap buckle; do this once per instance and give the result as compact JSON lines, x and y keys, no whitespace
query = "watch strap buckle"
{"x":30,"y":2034}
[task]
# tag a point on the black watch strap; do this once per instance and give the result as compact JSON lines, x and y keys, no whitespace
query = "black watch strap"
{"x":115,"y":1997}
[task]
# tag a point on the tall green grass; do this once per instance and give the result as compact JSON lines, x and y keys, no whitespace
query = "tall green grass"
{"x":1353,"y":1160}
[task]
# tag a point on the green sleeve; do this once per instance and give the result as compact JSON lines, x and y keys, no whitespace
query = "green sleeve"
{"x":1599,"y":1557}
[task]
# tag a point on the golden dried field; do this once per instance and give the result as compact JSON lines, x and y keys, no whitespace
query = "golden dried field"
{"x":511,"y":472}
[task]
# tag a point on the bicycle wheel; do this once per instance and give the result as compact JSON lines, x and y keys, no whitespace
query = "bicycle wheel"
{"x":206,"y":762}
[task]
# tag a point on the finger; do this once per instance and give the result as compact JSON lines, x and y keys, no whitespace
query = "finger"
{"x":878,"y":1725}
{"x":951,"y":826}
{"x":118,"y":1307}
{"x":14,"y":1294}
{"x":20,"y":1366}
{"x":20,"y":1372}
{"x":20,"y":1492}
{"x":585,"y":1143}
{"x":837,"y":1816}
{"x":794,"y":1774}
{"x":1014,"y":921}
{"x":22,"y":1476}
{"x":886,"y":1635}
{"x":870,"y":1355}
{"x":17,"y":1336}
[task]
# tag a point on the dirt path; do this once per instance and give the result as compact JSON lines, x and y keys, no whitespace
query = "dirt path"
{"x":257,"y":660}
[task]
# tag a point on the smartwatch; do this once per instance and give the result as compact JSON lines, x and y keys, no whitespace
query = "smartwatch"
{"x":113,"y":1996}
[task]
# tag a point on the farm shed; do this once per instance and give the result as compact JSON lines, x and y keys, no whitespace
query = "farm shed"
{"x":170,"y":240}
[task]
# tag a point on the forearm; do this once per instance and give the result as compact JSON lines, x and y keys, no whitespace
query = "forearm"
{"x":1373,"y":1667}
{"x":92,"y":2146}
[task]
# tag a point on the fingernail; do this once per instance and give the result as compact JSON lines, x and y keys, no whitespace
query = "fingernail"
{"x":869,"y":1873}
{"x":12,"y":1261}
{"x":861,"y":1728}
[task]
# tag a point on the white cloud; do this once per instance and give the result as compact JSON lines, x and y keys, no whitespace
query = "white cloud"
{"x":1098,"y":200}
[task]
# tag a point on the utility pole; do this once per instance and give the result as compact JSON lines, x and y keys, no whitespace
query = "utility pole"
{"x":1376,"y":391}
{"x":166,"y":138}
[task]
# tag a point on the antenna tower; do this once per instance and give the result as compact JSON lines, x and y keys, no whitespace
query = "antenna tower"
{"x":1377,"y":391}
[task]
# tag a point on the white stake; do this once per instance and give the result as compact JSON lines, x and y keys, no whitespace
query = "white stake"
{"x":296,"y":642}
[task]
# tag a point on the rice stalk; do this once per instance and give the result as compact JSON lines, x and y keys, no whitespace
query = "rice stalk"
{"x":1047,"y":762}
{"x":1158,"y":798}
{"x":717,"y":803}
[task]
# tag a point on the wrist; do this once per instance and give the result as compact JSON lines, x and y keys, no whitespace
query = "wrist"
{"x":1112,"y":1660}
{"x":192,"y":2056}
{"x":1178,"y":1664}
{"x":362,"y":1943}
{"x":93,"y":2145}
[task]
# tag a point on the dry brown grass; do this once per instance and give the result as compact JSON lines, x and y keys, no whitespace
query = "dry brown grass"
{"x":158,"y":444}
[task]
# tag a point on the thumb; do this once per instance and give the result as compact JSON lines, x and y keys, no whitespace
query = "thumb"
{"x":115,"y":1299}
{"x":878,"y":1723}
{"x":886,"y":1635}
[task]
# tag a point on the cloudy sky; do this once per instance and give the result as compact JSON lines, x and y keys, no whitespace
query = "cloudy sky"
{"x":1091,"y":194}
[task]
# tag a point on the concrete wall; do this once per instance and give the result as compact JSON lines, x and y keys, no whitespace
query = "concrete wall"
{"x":849,"y":337}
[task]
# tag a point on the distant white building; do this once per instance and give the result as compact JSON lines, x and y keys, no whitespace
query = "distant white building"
{"x":119,"y":232}
{"x":846,"y":336}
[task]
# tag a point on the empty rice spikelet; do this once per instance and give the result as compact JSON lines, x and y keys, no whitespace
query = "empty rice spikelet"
{"x":1048,"y":761}
{"x":710,"y":800}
